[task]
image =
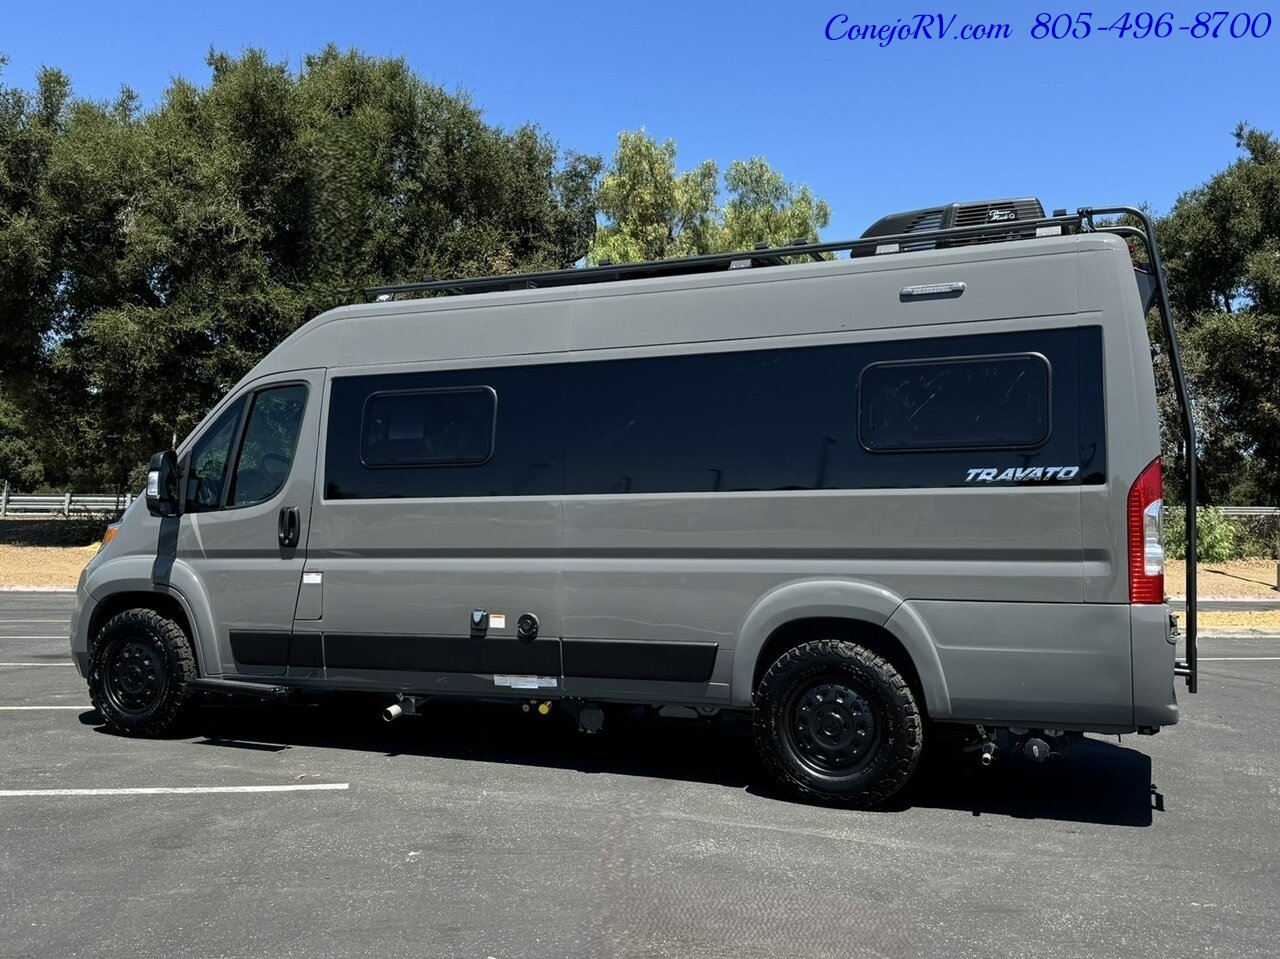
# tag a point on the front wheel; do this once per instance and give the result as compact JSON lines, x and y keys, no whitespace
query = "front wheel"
{"x":138,"y":674}
{"x":837,"y":724}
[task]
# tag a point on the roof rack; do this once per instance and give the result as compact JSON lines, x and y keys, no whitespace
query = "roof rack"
{"x":716,"y":262}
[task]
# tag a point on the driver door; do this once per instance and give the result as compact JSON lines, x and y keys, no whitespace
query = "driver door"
{"x":243,"y":532}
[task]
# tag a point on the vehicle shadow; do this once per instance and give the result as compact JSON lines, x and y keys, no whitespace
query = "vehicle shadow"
{"x":1093,"y":782}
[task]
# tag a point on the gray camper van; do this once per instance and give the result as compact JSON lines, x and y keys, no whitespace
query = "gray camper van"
{"x":856,"y":496}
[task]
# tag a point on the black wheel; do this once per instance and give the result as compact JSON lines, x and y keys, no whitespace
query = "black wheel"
{"x":837,"y":724}
{"x":138,"y":674}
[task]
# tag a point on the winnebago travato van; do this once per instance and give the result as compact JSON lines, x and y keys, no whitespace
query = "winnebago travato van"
{"x":847,"y":495}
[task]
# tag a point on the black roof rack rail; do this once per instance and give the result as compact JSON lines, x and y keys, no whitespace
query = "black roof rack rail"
{"x":713,"y":262}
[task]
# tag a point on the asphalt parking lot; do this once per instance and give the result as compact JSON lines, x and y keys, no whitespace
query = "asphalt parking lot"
{"x":479,"y":831}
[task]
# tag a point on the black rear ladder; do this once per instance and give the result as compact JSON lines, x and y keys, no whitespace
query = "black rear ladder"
{"x":1188,"y":667}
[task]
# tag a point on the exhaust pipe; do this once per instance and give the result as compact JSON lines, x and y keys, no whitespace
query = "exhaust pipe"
{"x":392,"y":713}
{"x":988,"y":753}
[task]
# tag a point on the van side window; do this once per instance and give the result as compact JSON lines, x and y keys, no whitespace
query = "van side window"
{"x":985,"y":402}
{"x":266,"y":453}
{"x":209,"y":459}
{"x":441,"y":427}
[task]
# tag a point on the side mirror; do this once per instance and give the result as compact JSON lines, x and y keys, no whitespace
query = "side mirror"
{"x":162,"y":485}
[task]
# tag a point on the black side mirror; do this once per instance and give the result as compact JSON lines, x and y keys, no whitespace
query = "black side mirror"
{"x":162,"y":485}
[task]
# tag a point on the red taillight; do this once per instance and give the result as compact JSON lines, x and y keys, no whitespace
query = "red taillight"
{"x":1146,"y":551}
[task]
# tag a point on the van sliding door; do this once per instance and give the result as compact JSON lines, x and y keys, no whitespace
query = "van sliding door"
{"x":438,"y":528}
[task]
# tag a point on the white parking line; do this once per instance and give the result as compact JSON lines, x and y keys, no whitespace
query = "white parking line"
{"x":11,"y":622}
{"x":62,"y":637}
{"x":1231,"y":659}
{"x":17,"y":709}
{"x":176,"y":790}
{"x":38,"y":664}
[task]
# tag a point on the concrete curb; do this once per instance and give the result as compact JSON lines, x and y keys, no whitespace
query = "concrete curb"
{"x":1238,"y":632}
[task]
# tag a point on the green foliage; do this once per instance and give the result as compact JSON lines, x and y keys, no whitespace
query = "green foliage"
{"x":653,"y":213}
{"x":19,"y":463}
{"x":1259,"y":536}
{"x":1217,"y":538}
{"x":31,"y":124}
{"x":1221,"y":243}
{"x":149,"y":258}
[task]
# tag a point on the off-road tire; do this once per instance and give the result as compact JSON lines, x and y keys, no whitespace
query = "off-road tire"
{"x":139,"y":669}
{"x":838,"y":725}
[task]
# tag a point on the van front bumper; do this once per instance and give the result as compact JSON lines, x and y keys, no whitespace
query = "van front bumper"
{"x":80,"y":616}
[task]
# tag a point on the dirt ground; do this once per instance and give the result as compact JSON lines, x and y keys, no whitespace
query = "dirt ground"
{"x":1235,"y":618}
{"x":1254,"y":578}
{"x":43,"y":565}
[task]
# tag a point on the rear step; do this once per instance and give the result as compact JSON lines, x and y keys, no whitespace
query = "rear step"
{"x":235,"y":687}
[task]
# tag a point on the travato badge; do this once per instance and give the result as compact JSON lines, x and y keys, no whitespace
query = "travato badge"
{"x":1021,"y":474}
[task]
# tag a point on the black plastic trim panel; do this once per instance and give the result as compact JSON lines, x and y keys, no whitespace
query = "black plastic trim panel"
{"x":264,"y":648}
{"x":436,"y":654}
{"x":639,"y":659}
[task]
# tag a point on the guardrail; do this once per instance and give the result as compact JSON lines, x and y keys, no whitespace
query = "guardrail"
{"x":64,"y":505}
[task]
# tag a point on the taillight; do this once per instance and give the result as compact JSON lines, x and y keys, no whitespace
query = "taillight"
{"x":1146,"y":549}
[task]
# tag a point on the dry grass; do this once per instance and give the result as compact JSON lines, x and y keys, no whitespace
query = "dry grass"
{"x":1255,"y":578}
{"x":43,"y":565}
{"x":1236,"y":618}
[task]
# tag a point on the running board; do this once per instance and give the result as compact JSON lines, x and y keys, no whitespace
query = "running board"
{"x":235,"y":687}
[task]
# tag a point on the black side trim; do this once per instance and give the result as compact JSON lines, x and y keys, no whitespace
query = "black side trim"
{"x":639,"y":659}
{"x":260,"y":648}
{"x":438,"y":654}
{"x":306,"y":649}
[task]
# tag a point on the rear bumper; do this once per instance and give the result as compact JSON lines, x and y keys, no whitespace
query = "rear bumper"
{"x":1154,"y":651}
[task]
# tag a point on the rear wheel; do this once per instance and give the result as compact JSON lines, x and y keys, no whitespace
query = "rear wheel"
{"x":837,"y":724}
{"x":138,"y":674}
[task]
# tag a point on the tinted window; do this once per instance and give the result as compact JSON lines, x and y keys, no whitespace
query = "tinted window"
{"x":994,"y":402}
{"x":445,"y":427}
{"x":434,"y":434}
{"x":266,"y":454}
{"x":753,"y":420}
{"x":747,"y":420}
{"x":208,"y":463}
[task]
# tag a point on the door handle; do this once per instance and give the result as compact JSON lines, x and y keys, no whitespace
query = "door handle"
{"x":289,"y":527}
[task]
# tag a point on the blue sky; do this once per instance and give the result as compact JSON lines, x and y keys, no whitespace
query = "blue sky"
{"x":1098,"y":120}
